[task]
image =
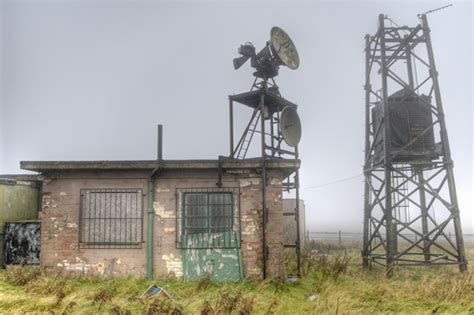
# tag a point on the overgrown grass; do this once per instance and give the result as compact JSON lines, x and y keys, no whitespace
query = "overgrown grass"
{"x":333,"y":283}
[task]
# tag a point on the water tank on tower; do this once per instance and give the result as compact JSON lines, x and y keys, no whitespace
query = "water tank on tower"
{"x":411,"y":129}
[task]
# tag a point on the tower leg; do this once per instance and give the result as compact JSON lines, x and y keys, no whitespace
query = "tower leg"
{"x":446,"y":149}
{"x":263,"y":184}
{"x":365,"y":248}
{"x":389,"y":226}
{"x":424,"y":214}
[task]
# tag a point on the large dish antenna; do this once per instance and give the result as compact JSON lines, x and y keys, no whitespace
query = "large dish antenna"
{"x":290,"y":126}
{"x":284,"y":48}
{"x":278,"y":51}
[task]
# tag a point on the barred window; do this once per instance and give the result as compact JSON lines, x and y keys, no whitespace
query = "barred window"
{"x":206,"y":212}
{"x":111,"y":218}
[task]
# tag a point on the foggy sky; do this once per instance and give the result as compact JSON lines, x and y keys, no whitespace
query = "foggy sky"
{"x":89,"y":80}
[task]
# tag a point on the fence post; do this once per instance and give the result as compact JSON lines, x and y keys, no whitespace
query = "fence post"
{"x":340,"y":238}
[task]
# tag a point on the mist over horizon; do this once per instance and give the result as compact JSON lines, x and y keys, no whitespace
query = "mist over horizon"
{"x":90,"y":80}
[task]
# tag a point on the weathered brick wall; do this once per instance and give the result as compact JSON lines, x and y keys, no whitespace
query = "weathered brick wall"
{"x":60,"y":222}
{"x":275,"y":233}
{"x":60,"y":227}
{"x":251,"y":225}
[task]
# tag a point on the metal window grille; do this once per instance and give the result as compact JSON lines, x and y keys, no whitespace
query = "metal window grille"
{"x":208,"y":218}
{"x":111,"y":218}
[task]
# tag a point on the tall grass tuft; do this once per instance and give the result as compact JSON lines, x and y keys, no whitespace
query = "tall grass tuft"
{"x":20,"y":275}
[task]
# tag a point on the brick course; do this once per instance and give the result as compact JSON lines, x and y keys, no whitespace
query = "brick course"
{"x":60,"y":221}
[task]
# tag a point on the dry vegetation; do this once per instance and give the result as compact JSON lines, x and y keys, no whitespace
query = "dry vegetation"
{"x":333,"y":284}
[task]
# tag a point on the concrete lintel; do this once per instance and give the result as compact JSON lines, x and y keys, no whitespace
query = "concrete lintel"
{"x":40,"y":166}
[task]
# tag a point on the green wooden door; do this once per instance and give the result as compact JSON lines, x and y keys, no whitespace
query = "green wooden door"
{"x":210,"y":237}
{"x":216,"y":263}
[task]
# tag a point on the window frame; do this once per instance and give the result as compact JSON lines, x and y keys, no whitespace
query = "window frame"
{"x":208,"y":228}
{"x":105,"y":243}
{"x":234,"y":230}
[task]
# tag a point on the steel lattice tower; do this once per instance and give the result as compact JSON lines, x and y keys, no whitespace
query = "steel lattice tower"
{"x":410,"y":202}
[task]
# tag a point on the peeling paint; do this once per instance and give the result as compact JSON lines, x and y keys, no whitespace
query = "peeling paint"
{"x":170,"y":230}
{"x":275,"y":181}
{"x":82,"y":266}
{"x":62,"y":193}
{"x":162,"y":190}
{"x":173,"y":264}
{"x":79,"y":265}
{"x":160,"y":210}
{"x":71,"y":225}
{"x":249,"y":182}
{"x":230,"y":256}
{"x":250,"y":228}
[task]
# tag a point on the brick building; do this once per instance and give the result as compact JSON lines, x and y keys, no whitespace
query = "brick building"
{"x":205,"y":217}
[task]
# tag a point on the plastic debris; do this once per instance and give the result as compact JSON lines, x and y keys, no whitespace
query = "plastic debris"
{"x":156,"y":291}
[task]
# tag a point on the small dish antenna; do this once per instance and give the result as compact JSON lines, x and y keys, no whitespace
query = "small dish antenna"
{"x":290,"y":126}
{"x":278,"y":51}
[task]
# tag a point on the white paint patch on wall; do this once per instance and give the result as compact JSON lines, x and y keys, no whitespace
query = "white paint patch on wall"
{"x":174,"y":264}
{"x":249,"y":182}
{"x":161,"y":211}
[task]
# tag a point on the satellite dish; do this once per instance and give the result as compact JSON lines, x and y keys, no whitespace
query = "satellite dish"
{"x":284,"y":48}
{"x":290,"y":126}
{"x":279,"y":50}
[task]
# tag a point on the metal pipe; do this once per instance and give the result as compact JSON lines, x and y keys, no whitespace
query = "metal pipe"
{"x":297,"y":217}
{"x":150,"y":212}
{"x":231,"y":127}
{"x":446,"y":149}
{"x":160,"y":142}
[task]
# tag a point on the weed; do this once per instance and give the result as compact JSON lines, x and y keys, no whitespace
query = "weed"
{"x":203,"y":283}
{"x":207,"y":309}
{"x":69,"y":307}
{"x":103,"y":296}
{"x":59,"y":297}
{"x":272,"y":307}
{"x":247,"y":305}
{"x":44,"y":286}
{"x":117,"y":310}
{"x":19,"y":275}
{"x":135,"y":298}
{"x":164,"y":306}
{"x":227,"y":302}
{"x":339,"y":266}
{"x":339,"y":283}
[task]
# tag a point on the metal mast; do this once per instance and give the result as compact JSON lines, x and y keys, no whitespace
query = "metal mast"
{"x":267,"y":103}
{"x":410,"y":201}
